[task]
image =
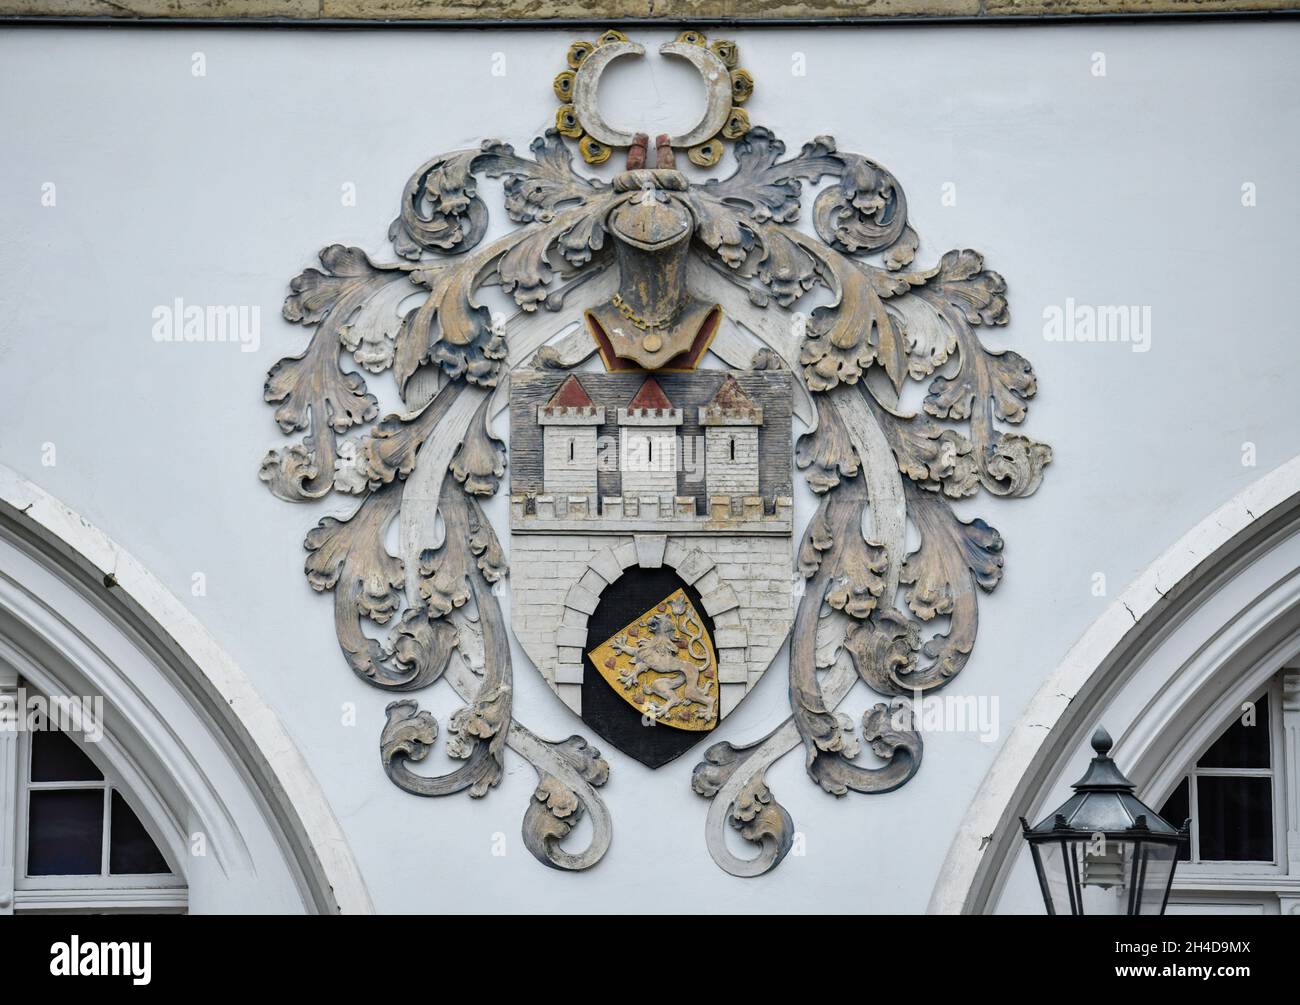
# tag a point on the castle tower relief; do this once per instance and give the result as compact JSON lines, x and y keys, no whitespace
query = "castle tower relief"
{"x":651,"y":543}
{"x":569,"y":421}
{"x":648,"y":444}
{"x":731,"y":422}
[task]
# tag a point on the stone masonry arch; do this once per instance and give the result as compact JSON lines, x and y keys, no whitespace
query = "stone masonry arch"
{"x":693,"y":567}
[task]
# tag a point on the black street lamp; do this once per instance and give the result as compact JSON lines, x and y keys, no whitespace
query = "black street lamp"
{"x":1104,"y":851}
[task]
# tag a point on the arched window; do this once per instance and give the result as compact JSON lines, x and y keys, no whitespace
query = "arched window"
{"x":1235,"y":793}
{"x":731,"y":448}
{"x":1231,"y":794}
{"x":1206,"y":629}
{"x":78,"y":842}
{"x":180,"y":757}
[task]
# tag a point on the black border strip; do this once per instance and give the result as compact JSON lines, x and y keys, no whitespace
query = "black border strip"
{"x":557,"y":24}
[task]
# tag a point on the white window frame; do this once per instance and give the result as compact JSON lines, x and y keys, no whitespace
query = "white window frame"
{"x":155,"y":893}
{"x":1222,"y":869}
{"x":1256,"y":887}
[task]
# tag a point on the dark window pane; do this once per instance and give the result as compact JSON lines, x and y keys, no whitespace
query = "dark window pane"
{"x":65,"y":832}
{"x":131,"y":850}
{"x":1235,"y":817}
{"x":1242,"y":746}
{"x":56,"y":758}
{"x":1176,"y":810}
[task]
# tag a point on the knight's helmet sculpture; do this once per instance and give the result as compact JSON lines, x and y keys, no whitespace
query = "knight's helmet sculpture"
{"x":661,"y":356}
{"x":654,"y":321}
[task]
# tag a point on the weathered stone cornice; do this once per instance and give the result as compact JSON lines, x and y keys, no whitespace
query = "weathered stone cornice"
{"x":543,"y":12}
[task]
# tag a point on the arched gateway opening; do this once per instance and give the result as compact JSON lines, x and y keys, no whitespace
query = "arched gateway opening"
{"x":626,"y":714}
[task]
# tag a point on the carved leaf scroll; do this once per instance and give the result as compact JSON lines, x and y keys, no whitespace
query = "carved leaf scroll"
{"x":880,"y":322}
{"x":753,"y":810}
{"x":912,"y":325}
{"x":556,"y":808}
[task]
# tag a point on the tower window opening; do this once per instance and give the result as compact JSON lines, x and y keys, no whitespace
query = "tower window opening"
{"x":731,"y":447}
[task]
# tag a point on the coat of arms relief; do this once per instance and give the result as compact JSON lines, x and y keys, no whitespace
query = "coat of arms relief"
{"x":685,"y":341}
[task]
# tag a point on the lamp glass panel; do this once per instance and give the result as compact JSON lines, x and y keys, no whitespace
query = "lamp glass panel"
{"x":1052,"y":865}
{"x":1105,"y":871}
{"x":1157,"y":863}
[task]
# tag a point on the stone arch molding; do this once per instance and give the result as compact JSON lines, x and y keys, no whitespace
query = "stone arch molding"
{"x":186,"y":733}
{"x":694,"y":568}
{"x":1201,"y":629}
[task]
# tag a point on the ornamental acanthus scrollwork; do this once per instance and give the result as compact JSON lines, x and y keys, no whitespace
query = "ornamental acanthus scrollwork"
{"x":662,"y":310}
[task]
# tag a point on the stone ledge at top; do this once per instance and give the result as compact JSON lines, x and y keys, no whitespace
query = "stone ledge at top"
{"x":667,"y":10}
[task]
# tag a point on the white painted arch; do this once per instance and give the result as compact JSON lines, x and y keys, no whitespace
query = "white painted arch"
{"x":1200,"y":629}
{"x":186,"y":731}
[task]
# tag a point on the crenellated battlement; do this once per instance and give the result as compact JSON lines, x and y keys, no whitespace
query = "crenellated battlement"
{"x":696,"y":453}
{"x":570,"y":415}
{"x":549,"y":513}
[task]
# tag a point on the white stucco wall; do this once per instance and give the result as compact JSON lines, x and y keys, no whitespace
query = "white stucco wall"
{"x":1117,"y":190}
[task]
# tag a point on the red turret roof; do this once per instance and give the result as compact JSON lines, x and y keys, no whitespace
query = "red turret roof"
{"x":651,"y":395}
{"x":731,"y":396}
{"x":571,"y":394}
